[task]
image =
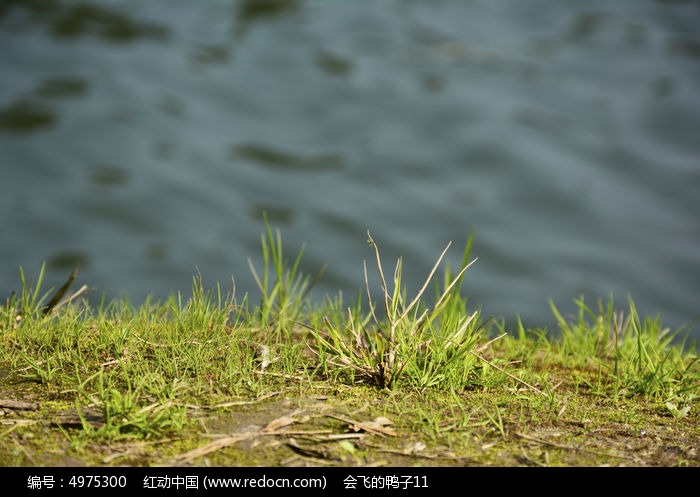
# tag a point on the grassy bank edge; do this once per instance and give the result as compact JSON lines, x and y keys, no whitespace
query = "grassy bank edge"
{"x":444,"y":376}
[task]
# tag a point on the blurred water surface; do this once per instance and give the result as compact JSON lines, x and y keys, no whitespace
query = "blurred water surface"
{"x":144,"y":140}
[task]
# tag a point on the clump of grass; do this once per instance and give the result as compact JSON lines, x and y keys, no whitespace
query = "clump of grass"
{"x":645,"y":358}
{"x":283,"y":288}
{"x":425,"y":345}
{"x":30,"y":300}
{"x":143,"y":410}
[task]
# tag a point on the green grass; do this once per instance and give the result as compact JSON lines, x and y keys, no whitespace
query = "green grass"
{"x":464,"y":389}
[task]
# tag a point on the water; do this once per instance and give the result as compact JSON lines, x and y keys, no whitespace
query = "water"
{"x":144,"y":140}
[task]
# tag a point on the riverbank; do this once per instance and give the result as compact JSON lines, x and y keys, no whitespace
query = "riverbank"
{"x":408,"y":380}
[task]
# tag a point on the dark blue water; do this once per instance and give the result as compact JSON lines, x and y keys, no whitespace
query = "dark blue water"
{"x":145,"y":140}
